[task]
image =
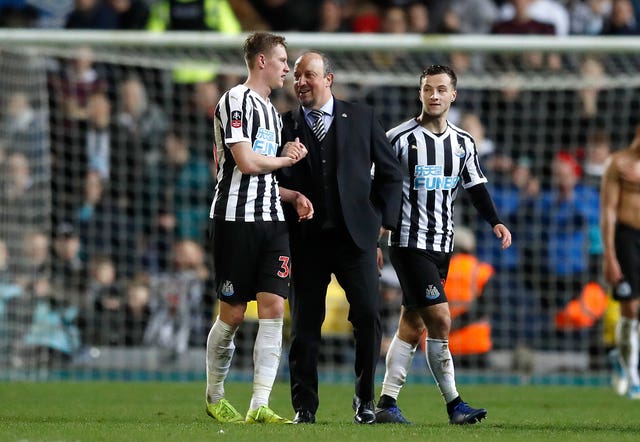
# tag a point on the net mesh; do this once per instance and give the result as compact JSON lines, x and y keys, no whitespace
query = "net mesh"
{"x":106,"y":157}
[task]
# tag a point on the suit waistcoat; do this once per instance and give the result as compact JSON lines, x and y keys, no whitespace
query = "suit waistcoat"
{"x":324,"y":164}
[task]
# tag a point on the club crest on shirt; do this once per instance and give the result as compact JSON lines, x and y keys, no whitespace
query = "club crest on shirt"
{"x":459,"y":151}
{"x":236,"y":119}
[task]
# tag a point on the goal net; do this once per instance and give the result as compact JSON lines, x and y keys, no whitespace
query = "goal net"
{"x":107,"y":177}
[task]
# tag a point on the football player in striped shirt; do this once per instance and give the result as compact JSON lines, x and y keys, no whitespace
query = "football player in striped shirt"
{"x":250,"y":236}
{"x":437,"y":158}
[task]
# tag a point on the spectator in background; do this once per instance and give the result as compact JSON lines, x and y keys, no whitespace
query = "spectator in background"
{"x":52,"y":337}
{"x":138,"y":134}
{"x":10,"y":294}
{"x":365,"y":17}
{"x":332,"y":17}
{"x":50,"y":317}
{"x":155,"y":246}
{"x":588,"y":17}
{"x":137,"y":313}
{"x":98,"y":136}
{"x":68,"y":269}
{"x":594,"y":157}
{"x":104,"y":226}
{"x":178,"y":319}
{"x":589,"y":97}
{"x":622,"y":20}
{"x":141,"y":125}
{"x":183,"y":182}
{"x":23,"y":129}
{"x":582,"y":107}
{"x":91,"y":14}
{"x":552,"y":12}
{"x":193,"y":15}
{"x":595,"y":154}
{"x":131,"y":14}
{"x":18,"y":14}
{"x":23,"y":200}
{"x":469,"y":17}
{"x":74,"y":82}
{"x":289,"y":15}
{"x":567,"y":211}
{"x":524,"y":23}
{"x":394,"y":20}
{"x":105,"y":303}
{"x":471,"y":122}
{"x":71,"y":85}
{"x":418,"y":17}
{"x":32,"y":261}
{"x":521,"y":21}
{"x":199,"y":114}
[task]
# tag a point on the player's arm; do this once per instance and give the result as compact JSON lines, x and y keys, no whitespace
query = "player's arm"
{"x":252,"y":163}
{"x":483,"y":203}
{"x":302,"y":204}
{"x":609,"y":200}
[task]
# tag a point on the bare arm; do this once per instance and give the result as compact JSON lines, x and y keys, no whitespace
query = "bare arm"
{"x":609,"y":199}
{"x":252,"y":163}
{"x":301,"y":203}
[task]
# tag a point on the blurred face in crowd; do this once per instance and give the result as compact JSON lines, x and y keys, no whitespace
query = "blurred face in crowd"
{"x":133,"y":96}
{"x":311,"y":83}
{"x":395,"y":21}
{"x":121,"y":5}
{"x":93,"y":187}
{"x":436,"y":94}
{"x":99,"y":109}
{"x":564,"y":174}
{"x":137,"y":297}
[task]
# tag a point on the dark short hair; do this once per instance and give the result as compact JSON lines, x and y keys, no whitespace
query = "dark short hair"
{"x":436,"y":69}
{"x":260,"y":43}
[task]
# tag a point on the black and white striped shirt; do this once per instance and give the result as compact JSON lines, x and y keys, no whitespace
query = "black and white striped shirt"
{"x":434,"y":166}
{"x":243,"y":115}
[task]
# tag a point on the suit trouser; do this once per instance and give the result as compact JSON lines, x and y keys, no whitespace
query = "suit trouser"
{"x":313,"y":261}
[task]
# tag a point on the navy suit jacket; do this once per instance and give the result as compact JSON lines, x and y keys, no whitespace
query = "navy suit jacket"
{"x":361,"y":142}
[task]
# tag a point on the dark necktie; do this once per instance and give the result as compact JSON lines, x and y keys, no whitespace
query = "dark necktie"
{"x":318,"y":124}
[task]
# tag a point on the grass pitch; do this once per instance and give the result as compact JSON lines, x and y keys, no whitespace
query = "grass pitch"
{"x":149,"y":411}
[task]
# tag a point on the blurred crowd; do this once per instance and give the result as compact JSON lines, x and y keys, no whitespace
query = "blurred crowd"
{"x":105,"y":186}
{"x":559,"y":17}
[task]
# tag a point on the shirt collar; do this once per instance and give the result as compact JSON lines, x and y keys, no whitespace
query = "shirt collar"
{"x":327,"y":109}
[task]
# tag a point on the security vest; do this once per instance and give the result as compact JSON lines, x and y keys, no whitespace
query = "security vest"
{"x":193,"y":15}
{"x":585,"y":310}
{"x":465,"y":282}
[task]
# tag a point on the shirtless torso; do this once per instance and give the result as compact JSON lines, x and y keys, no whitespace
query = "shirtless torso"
{"x":620,"y":203}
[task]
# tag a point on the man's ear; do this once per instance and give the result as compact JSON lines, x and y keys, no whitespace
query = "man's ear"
{"x":330,"y":79}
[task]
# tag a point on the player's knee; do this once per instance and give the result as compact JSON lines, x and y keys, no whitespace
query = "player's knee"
{"x":232,"y":315}
{"x":270,"y":306}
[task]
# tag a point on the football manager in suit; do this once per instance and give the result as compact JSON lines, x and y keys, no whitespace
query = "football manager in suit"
{"x":351,"y":201}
